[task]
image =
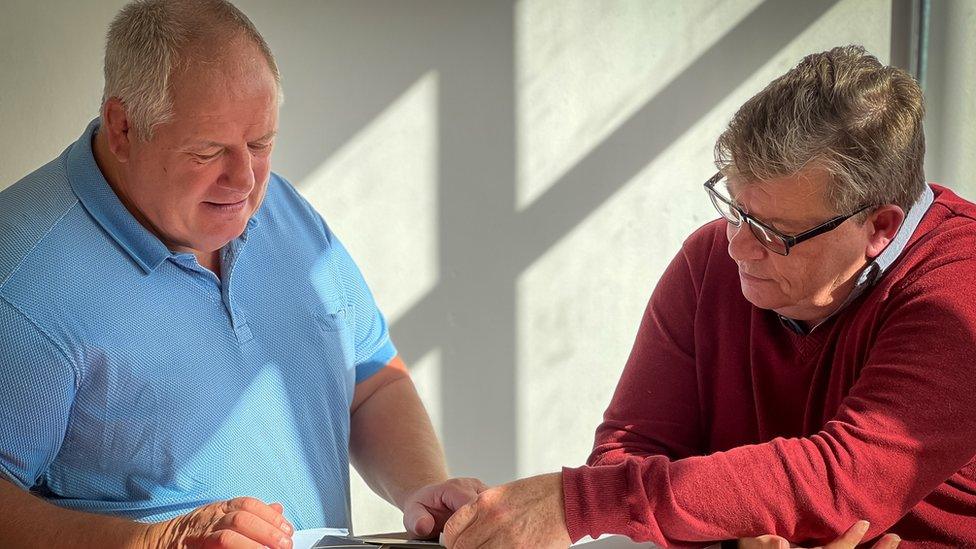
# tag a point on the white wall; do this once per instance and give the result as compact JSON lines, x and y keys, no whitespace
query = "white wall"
{"x":950,"y":90}
{"x":511,"y":176}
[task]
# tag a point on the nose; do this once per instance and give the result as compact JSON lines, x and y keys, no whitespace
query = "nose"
{"x":743,"y":245}
{"x":238,"y":173}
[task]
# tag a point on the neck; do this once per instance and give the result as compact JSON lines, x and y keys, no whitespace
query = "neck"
{"x":209,"y":260}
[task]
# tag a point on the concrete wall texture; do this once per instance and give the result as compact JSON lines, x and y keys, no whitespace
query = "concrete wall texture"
{"x":511,"y":176}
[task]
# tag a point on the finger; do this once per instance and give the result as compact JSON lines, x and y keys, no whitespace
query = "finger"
{"x":417,"y":520}
{"x":272,"y":514}
{"x":478,"y":485}
{"x":227,"y":539}
{"x":254,"y":528}
{"x":282,"y":522}
{"x":494,"y":543}
{"x":851,"y":537}
{"x":479,"y":533}
{"x":427,"y":515}
{"x":887,"y":541}
{"x":764,"y":542}
{"x":749,"y":543}
{"x":455,"y":496}
{"x":482,"y":536}
{"x":458,"y":523}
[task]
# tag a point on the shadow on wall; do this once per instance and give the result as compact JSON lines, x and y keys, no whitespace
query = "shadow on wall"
{"x":483,"y":241}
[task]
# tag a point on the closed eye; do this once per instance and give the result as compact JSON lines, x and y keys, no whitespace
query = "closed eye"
{"x":205,"y":157}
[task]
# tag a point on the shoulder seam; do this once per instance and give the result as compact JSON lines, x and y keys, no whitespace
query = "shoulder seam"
{"x":38,"y":242}
{"x":49,"y":338}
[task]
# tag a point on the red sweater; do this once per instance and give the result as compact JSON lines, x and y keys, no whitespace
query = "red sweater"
{"x":726,"y":424}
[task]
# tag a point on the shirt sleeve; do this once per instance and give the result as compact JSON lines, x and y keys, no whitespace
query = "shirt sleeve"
{"x":374,"y":348}
{"x":37,"y":387}
{"x":907,"y":425}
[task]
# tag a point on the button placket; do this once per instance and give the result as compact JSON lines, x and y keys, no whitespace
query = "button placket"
{"x":229,"y":256}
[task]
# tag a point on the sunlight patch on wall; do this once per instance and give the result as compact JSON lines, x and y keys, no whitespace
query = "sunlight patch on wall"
{"x":579,"y":305}
{"x":370,"y":513}
{"x":426,"y":374}
{"x":379,"y":194}
{"x":583,"y":68}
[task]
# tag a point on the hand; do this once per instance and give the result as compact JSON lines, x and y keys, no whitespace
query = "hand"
{"x":427,"y":509}
{"x":525,"y":513}
{"x":849,"y":540}
{"x":239,"y":523}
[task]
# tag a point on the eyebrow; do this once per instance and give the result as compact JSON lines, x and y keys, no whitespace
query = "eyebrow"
{"x":772,"y":220}
{"x":795,"y":227}
{"x":266,"y":137}
{"x":766,"y":220}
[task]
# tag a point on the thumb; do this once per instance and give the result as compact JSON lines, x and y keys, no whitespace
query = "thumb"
{"x":457,"y":496}
{"x":417,"y":520}
{"x":764,"y":542}
{"x":851,"y":537}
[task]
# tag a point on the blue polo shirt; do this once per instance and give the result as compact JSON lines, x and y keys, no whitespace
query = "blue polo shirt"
{"x":134,"y":382}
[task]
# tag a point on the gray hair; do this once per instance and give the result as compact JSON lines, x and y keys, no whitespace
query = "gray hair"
{"x":841,"y":111}
{"x":149,"y":40}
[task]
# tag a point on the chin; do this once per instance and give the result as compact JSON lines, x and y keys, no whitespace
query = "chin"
{"x":763,"y":299}
{"x":219,"y":236}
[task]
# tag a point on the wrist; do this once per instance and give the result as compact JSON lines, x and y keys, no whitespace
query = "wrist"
{"x":157,"y":535}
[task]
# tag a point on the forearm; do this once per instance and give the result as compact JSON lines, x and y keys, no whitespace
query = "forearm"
{"x":392,"y":442}
{"x":29,"y":521}
{"x":801,"y":489}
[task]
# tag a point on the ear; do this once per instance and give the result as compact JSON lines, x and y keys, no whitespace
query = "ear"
{"x":115,"y":125}
{"x":881,"y":225}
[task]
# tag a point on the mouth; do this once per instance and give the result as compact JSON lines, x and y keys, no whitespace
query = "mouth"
{"x":752,"y":278}
{"x":227,"y":206}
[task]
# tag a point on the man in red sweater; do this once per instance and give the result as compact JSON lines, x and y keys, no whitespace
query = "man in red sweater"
{"x":805,"y":361}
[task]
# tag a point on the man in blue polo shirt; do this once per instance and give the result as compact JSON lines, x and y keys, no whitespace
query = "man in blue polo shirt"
{"x":189,"y":354}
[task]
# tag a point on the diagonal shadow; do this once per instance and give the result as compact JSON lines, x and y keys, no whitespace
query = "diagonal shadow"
{"x":664,"y":118}
{"x":325,"y":122}
{"x":475,"y":305}
{"x":661,"y":121}
{"x":485,"y":244}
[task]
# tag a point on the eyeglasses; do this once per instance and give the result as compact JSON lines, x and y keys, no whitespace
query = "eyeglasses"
{"x":769,"y":237}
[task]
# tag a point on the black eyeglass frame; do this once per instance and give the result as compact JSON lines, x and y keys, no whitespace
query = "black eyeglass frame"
{"x":788,"y":240}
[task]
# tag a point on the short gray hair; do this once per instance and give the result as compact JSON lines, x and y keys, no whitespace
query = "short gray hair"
{"x":148,"y":41}
{"x":841,"y":111}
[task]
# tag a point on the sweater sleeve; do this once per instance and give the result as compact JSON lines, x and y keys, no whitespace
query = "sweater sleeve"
{"x":908,"y":424}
